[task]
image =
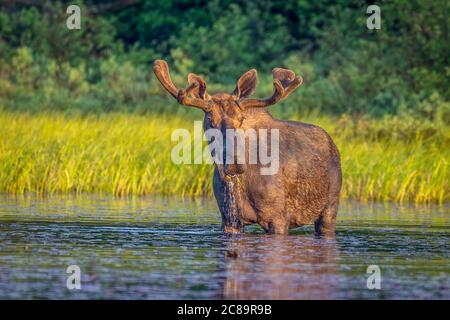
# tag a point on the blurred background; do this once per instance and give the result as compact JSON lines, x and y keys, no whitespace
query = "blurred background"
{"x":384,"y":92}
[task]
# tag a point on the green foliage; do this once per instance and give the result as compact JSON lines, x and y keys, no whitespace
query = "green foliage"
{"x":106,"y":66}
{"x":43,"y":29}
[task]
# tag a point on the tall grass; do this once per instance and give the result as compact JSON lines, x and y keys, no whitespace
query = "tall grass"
{"x":126,"y":154}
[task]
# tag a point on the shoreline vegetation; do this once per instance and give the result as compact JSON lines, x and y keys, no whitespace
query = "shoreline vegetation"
{"x":81,"y":112}
{"x":122,"y":154}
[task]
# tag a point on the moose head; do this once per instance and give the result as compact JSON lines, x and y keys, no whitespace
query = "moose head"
{"x":227,"y":111}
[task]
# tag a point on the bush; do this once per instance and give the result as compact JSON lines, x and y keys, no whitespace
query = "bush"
{"x":106,"y":66}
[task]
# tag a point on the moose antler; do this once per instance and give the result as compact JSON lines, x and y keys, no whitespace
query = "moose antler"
{"x":196,"y":88}
{"x":284,"y":82}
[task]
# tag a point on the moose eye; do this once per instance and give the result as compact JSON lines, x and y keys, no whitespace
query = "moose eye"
{"x":211,"y":121}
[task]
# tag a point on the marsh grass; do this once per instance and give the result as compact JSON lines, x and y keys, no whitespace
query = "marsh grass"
{"x":127,"y":154}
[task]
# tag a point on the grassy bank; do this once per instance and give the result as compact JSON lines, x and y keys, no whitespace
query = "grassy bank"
{"x":125,"y":154}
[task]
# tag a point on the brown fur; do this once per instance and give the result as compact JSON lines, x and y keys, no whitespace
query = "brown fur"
{"x":305,"y":189}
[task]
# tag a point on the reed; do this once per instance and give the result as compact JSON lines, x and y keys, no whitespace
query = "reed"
{"x":128,"y":154}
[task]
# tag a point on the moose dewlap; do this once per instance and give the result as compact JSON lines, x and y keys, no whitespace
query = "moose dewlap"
{"x":306,"y":185}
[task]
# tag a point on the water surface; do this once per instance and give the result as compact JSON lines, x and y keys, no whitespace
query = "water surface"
{"x":156,"y":248}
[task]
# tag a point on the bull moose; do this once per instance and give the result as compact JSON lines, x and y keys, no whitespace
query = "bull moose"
{"x":306,"y":187}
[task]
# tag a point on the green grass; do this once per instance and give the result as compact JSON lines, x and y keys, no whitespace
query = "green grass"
{"x":126,"y":154}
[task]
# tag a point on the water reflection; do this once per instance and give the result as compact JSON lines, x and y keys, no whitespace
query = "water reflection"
{"x":280,"y":267}
{"x":158,"y":248}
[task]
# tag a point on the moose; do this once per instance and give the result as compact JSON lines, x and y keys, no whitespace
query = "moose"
{"x":306,"y":187}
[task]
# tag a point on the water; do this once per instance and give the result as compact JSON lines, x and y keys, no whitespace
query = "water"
{"x":155,"y":248}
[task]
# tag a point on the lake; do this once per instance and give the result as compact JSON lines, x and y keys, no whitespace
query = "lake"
{"x":172,"y":248}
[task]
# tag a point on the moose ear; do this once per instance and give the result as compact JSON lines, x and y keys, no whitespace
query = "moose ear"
{"x":199,"y":90}
{"x":246,"y":84}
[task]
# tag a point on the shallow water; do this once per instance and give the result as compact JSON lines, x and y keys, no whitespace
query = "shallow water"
{"x":154,"y":248}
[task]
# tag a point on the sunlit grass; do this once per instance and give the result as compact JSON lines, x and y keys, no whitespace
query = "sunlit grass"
{"x":124,"y":154}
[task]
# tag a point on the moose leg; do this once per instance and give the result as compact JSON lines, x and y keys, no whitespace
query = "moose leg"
{"x":271,"y":213}
{"x":231,"y":224}
{"x":274,"y":223}
{"x":231,"y":229}
{"x":231,"y":213}
{"x":326,"y":223}
{"x":278,"y":227}
{"x":229,"y":202}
